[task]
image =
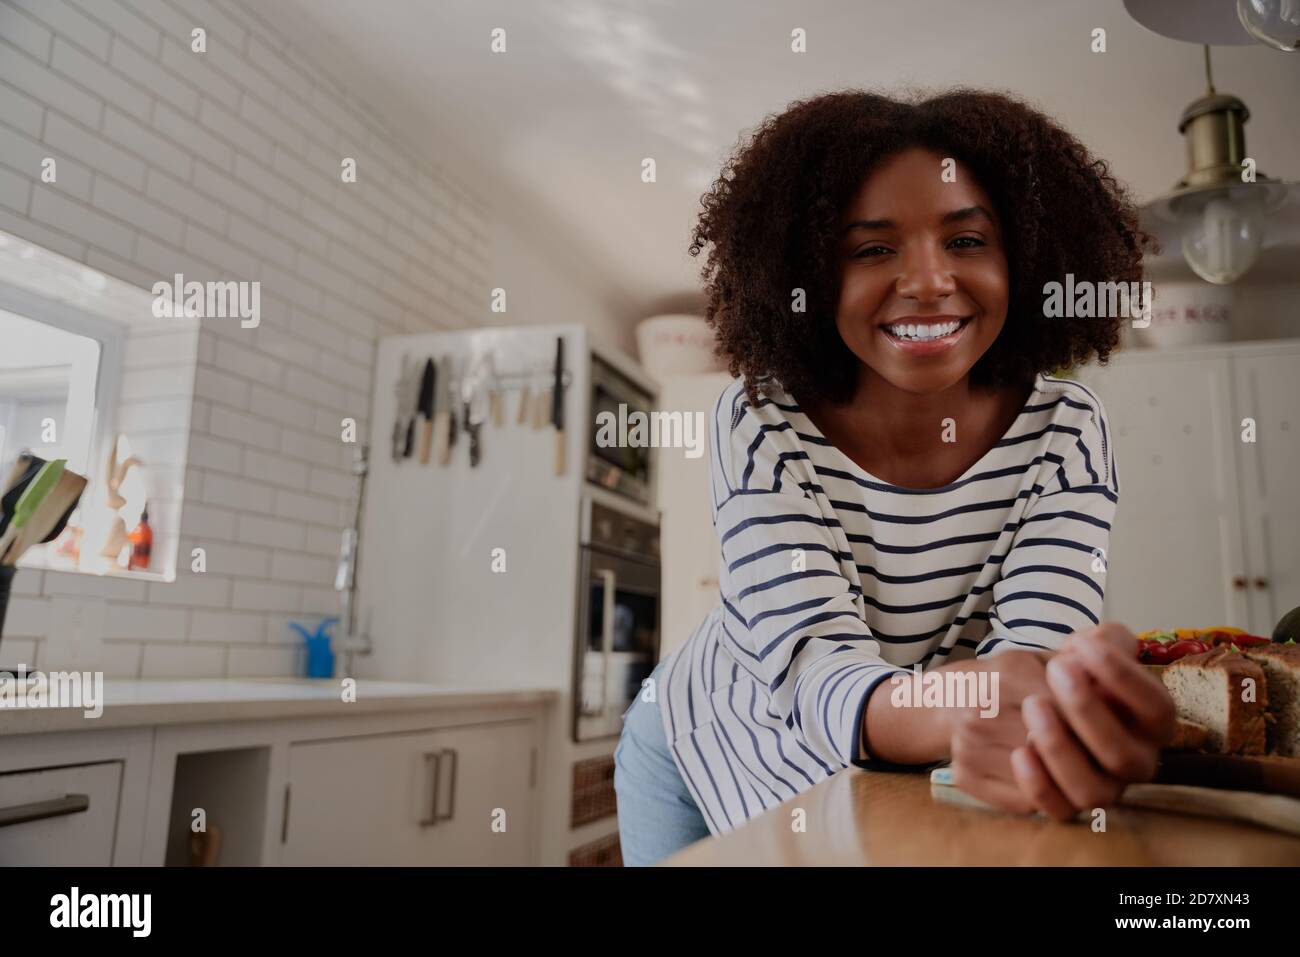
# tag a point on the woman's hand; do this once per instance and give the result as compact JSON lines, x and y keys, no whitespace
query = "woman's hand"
{"x":981,"y":747}
{"x":1072,"y":730}
{"x":1100,"y":729}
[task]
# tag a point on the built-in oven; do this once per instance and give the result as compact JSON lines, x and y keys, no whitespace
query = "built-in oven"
{"x":613,"y":462}
{"x":618,"y":618}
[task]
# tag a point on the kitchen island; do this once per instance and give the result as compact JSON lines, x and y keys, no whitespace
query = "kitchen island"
{"x":874,"y":818}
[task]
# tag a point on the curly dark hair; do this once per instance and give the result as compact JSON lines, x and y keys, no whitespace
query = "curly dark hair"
{"x":771,"y":219}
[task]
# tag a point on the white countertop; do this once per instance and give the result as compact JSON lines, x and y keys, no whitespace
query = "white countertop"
{"x":133,"y":702}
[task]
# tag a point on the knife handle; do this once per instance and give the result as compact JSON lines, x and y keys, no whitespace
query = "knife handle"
{"x":441,"y":436}
{"x":542,"y":408}
{"x":525,"y":403}
{"x":426,"y":436}
{"x":496,"y":408}
{"x":559,"y":451}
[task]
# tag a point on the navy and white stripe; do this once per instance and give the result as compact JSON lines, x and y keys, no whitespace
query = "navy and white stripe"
{"x":831,"y":580}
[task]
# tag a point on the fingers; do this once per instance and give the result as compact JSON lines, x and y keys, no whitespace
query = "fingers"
{"x":1108,"y":657}
{"x":1117,"y":750}
{"x":1001,"y":793}
{"x":981,"y":761}
{"x":1079,"y":780}
{"x":1037,"y":785}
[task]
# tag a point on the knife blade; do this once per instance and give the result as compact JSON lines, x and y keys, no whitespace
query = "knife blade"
{"x":471,"y":393}
{"x":428,"y":387}
{"x":399,"y":413}
{"x":557,"y":405}
{"x":442,"y":413}
{"x":410,"y":406}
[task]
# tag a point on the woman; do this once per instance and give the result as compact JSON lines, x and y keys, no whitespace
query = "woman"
{"x":897,"y":480}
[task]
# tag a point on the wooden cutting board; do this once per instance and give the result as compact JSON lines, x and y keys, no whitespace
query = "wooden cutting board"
{"x":1266,"y":774}
{"x":1275,"y":811}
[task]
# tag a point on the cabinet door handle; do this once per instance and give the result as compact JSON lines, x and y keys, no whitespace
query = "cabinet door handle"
{"x":451,"y":798}
{"x":1239,"y":583}
{"x":43,"y":810}
{"x":436,"y":758}
{"x":1261,"y":583}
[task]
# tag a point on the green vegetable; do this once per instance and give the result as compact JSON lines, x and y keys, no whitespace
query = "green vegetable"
{"x":37,"y":489}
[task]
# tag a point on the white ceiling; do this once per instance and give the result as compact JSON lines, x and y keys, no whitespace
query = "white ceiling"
{"x":553,"y":131}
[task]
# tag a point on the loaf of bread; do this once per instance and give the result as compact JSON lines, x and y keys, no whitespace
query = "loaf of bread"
{"x":1224,"y":690}
{"x":1188,"y":736}
{"x":1281,"y":666}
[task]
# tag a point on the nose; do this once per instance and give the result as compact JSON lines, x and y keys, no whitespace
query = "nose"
{"x":925,"y":275}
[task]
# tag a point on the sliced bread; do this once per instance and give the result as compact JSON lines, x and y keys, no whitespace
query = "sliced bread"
{"x":1281,"y":664}
{"x":1188,"y":736}
{"x":1225,"y":691}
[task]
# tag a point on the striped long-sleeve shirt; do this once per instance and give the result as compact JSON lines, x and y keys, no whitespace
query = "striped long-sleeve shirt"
{"x":832,"y":580}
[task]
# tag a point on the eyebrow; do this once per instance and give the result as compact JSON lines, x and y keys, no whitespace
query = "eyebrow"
{"x":957,"y":215}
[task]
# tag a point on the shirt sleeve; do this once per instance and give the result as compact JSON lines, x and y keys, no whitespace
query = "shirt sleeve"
{"x":1053,"y":579}
{"x":791,"y":617}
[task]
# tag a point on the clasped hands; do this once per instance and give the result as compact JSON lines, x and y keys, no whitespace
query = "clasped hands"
{"x":1072,"y":730}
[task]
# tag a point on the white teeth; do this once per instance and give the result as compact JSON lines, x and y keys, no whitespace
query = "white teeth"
{"x":923,"y":332}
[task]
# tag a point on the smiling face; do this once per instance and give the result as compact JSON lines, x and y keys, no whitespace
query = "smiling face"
{"x":923,"y":274}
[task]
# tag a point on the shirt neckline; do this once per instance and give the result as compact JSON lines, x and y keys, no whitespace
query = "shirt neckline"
{"x":859,"y":472}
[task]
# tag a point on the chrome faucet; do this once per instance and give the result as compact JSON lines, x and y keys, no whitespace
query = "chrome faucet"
{"x":345,"y":578}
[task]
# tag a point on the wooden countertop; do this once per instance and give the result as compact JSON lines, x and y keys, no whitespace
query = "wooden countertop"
{"x":873,"y":818}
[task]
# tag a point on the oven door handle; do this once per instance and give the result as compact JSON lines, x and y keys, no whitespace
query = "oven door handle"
{"x":606,"y":633}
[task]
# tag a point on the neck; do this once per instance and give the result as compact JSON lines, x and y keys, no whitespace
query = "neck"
{"x":903,"y":422}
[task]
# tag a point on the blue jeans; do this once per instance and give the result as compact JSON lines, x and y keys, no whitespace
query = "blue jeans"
{"x":656,"y":813}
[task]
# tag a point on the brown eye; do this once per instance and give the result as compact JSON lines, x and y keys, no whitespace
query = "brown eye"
{"x":870,"y":251}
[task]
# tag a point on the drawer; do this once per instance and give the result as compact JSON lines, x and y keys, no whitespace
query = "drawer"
{"x":60,"y":816}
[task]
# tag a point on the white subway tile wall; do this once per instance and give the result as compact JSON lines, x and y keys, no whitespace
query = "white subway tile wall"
{"x":226,"y":165}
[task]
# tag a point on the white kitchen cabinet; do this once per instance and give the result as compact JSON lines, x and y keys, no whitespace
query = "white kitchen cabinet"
{"x":1268,"y":391}
{"x":413,"y":799}
{"x":1208,"y":527}
{"x":688,"y":542}
{"x":60,"y":817}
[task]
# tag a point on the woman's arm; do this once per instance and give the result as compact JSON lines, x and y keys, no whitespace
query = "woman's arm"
{"x":791,"y":617}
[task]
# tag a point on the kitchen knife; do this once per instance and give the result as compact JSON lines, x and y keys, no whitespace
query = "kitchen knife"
{"x":525,"y":398}
{"x":403,"y":411}
{"x":442,"y":413}
{"x":496,"y":403}
{"x":557,"y":405}
{"x":471,"y":396}
{"x":453,"y":401}
{"x":399,"y":427}
{"x":428,"y":386}
{"x":542,"y":408}
{"x":410,"y":406}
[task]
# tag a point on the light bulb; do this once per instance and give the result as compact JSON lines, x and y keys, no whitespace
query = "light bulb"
{"x":1272,"y":22}
{"x":1221,"y":241}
